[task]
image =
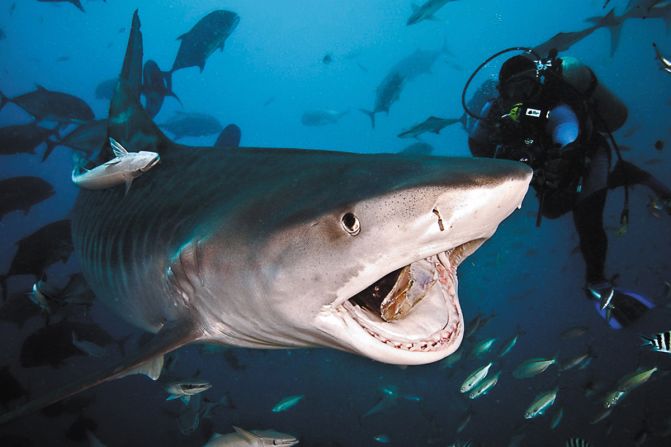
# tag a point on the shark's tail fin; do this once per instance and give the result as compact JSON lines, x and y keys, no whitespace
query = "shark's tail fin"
{"x":78,"y":4}
{"x":371,"y":115}
{"x":128,"y":122}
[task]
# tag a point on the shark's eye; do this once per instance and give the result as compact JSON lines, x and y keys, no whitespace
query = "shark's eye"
{"x":351,"y":224}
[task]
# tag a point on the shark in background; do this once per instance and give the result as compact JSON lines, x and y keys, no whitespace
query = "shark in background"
{"x":282,"y":248}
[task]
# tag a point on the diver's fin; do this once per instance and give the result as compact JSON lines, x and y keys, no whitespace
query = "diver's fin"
{"x":128,"y":122}
{"x":625,"y":307}
{"x":248,"y":435}
{"x":169,"y":338}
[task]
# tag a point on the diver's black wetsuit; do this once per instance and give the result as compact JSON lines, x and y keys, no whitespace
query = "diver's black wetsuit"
{"x":571,"y":160}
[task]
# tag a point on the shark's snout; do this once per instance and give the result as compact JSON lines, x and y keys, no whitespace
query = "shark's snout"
{"x":412,"y":315}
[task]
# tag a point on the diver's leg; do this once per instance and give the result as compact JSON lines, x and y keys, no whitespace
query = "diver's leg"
{"x":626,"y":173}
{"x":619,"y":307}
{"x":588,"y":216}
{"x":588,"y":219}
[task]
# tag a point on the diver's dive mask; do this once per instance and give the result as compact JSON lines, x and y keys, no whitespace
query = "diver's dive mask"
{"x":520,"y":87}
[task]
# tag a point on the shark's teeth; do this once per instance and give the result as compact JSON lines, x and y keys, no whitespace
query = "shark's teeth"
{"x":435,"y":341}
{"x":443,"y":337}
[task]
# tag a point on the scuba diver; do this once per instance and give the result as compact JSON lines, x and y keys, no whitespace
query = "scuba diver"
{"x":554,"y":115}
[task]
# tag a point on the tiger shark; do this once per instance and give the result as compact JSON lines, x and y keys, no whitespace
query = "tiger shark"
{"x":283,"y":248}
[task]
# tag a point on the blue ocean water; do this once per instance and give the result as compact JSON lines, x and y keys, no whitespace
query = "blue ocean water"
{"x":270,"y":72}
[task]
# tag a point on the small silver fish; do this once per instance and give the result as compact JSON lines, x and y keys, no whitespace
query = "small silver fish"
{"x":541,"y":404}
{"x":635,"y":379}
{"x":577,"y":442}
{"x":485,"y":386}
{"x":556,"y":419}
{"x":39,"y":298}
{"x":475,"y":377}
{"x":184,"y":390}
{"x":613,"y":398}
{"x":483,"y":347}
{"x":287,"y":403}
{"x":575,"y":361}
{"x":601,"y":416}
{"x":122,"y":169}
{"x":533,"y":367}
{"x":382,"y":439}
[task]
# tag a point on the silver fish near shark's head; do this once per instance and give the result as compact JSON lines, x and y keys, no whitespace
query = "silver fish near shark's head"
{"x":361,"y":256}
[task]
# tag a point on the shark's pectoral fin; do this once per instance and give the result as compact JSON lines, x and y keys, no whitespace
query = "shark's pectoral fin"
{"x":145,"y":361}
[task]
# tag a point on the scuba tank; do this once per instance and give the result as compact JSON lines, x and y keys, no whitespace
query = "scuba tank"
{"x":609,"y":107}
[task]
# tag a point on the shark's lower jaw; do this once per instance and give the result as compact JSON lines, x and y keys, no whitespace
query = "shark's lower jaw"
{"x":414,"y":311}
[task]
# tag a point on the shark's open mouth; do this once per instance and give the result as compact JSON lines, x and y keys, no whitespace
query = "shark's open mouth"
{"x":415,"y":308}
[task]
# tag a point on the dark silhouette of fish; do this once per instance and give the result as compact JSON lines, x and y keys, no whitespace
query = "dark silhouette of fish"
{"x":321,"y":117}
{"x":10,"y":388}
{"x":51,"y":345}
{"x":229,"y":138}
{"x":50,"y":105}
{"x":87,"y":138}
{"x":37,"y":251}
{"x":432,"y":124}
{"x":77,"y":3}
{"x":22,"y":138}
{"x":105,"y":90}
{"x":426,"y":11}
{"x":613,"y":24}
{"x":389,"y":90}
{"x":183,"y":124}
{"x":22,"y":193}
{"x":209,"y":34}
{"x":18,"y":309}
{"x":387,"y":93}
{"x":3,"y":36}
{"x":155,"y":88}
{"x":75,"y":292}
{"x":563,"y":41}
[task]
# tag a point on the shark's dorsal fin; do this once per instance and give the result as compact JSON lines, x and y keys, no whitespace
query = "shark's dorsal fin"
{"x":128,"y":122}
{"x":248,"y":435}
{"x":169,"y":338}
{"x":118,"y":149}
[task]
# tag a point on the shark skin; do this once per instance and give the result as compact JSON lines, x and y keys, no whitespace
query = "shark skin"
{"x":264,"y":248}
